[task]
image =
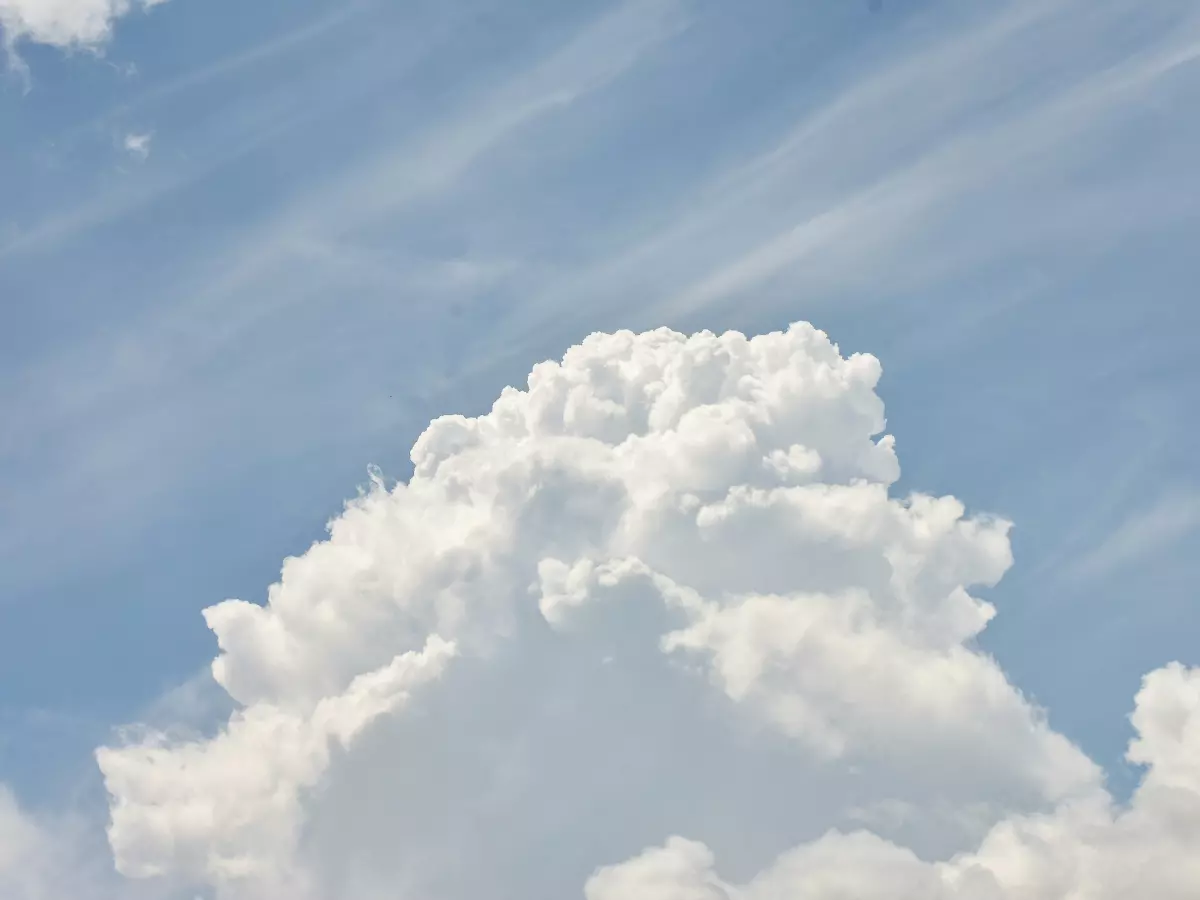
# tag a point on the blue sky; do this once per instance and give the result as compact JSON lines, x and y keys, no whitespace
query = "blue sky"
{"x":247,"y":250}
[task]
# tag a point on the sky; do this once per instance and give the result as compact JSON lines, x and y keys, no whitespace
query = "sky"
{"x":668,"y":618}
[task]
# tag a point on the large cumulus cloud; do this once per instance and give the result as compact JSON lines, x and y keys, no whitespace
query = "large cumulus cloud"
{"x":665,"y":586}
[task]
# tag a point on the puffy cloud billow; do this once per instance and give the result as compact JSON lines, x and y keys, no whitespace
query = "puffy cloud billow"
{"x":65,"y":23}
{"x":1083,"y":849}
{"x":664,"y":590}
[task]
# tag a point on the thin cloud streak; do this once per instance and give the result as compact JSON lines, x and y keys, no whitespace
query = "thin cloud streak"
{"x":1147,"y":533}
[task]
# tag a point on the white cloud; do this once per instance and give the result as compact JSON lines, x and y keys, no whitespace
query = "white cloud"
{"x":65,"y":23}
{"x":710,"y":506}
{"x":137,"y":144}
{"x":1091,"y":848}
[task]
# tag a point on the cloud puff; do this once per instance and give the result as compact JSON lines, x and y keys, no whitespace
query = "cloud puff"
{"x":137,"y":144}
{"x":1086,"y":848}
{"x":665,"y":583}
{"x":65,"y":23}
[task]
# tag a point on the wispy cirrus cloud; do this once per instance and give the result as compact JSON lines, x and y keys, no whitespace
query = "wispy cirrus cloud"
{"x":1152,"y":530}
